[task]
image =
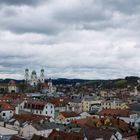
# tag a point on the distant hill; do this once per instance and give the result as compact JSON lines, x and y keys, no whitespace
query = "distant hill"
{"x":130,"y":81}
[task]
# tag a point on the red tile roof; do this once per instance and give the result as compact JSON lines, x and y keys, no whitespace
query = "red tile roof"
{"x":31,"y":118}
{"x":58,"y":102}
{"x":65,"y":135}
{"x":16,"y":138}
{"x":69,"y":114}
{"x":12,"y":83}
{"x":35,"y":104}
{"x":115,"y":112}
{"x":5,"y":106}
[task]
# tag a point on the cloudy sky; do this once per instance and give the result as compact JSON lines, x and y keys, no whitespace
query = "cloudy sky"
{"x":87,"y":39}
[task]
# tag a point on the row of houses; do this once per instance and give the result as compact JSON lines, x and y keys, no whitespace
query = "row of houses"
{"x":67,"y":114}
{"x":89,"y":128}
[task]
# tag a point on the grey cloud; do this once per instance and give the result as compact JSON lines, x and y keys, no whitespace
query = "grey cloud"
{"x":57,"y":17}
{"x":20,"y":2}
{"x":75,"y":39}
{"x":125,"y":6}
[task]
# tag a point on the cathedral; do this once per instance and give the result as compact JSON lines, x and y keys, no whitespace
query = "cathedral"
{"x":33,"y":79}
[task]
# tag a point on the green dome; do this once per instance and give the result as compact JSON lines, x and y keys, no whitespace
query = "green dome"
{"x":26,"y":69}
{"x":33,"y":72}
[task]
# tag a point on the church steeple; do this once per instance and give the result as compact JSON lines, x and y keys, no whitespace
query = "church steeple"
{"x":33,"y":79}
{"x":27,"y":75}
{"x":42,"y":77}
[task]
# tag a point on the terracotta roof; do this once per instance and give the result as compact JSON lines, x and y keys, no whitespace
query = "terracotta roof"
{"x":15,"y":96}
{"x":82,"y":121}
{"x":95,"y":133}
{"x":110,"y":122}
{"x":65,"y":135}
{"x":35,"y":104}
{"x":58,"y":102}
{"x":115,"y":112}
{"x":12,"y":83}
{"x":5,"y":99}
{"x":69,"y":114}
{"x":129,"y":133}
{"x":31,"y":118}
{"x":16,"y":138}
{"x":37,"y":137}
{"x":5,"y":106}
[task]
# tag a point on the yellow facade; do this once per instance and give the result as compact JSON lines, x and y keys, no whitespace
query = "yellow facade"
{"x":114,"y":105}
{"x":124,"y":106}
{"x":87,"y":104}
{"x":60,"y":117}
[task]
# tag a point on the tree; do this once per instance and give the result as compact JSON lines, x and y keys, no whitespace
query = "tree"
{"x":138,"y":133}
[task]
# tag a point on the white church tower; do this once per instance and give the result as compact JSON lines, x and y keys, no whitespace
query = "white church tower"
{"x":42,"y":77}
{"x":27,"y":77}
{"x":34,"y":80}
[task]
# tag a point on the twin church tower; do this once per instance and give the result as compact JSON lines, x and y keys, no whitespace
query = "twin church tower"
{"x":33,"y":79}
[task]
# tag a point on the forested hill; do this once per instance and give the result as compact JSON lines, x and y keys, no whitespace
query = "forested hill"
{"x":130,"y":81}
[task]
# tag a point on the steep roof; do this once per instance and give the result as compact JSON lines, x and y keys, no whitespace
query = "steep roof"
{"x":69,"y":114}
{"x":12,"y":83}
{"x":96,"y":133}
{"x":115,"y":112}
{"x":31,"y":118}
{"x":65,"y":135}
{"x":35,"y":104}
{"x":5,"y":106}
{"x":14,"y":137}
{"x":37,"y":137}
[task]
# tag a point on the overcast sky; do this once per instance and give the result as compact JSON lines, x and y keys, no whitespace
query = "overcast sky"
{"x":90,"y":39}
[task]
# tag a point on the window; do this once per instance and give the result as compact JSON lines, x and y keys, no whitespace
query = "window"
{"x":46,"y":107}
{"x":36,"y":111}
{"x":51,"y":106}
{"x":40,"y":112}
{"x":46,"y":112}
{"x":3,"y":114}
{"x":51,"y":111}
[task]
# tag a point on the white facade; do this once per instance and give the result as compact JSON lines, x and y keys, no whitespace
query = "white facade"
{"x":48,"y":109}
{"x":42,"y":77}
{"x":85,"y":115}
{"x":33,"y":79}
{"x":28,"y":131}
{"x":7,"y":132}
{"x":7,"y":114}
{"x":133,"y":119}
{"x":112,"y":104}
{"x":12,"y":88}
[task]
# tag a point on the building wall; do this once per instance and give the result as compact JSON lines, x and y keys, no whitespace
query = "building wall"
{"x":113,"y":105}
{"x":12,"y":89}
{"x":76,"y":107}
{"x":61,"y":118}
{"x":48,"y":110}
{"x":7,"y":114}
{"x":86,"y":105}
{"x":29,"y":131}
